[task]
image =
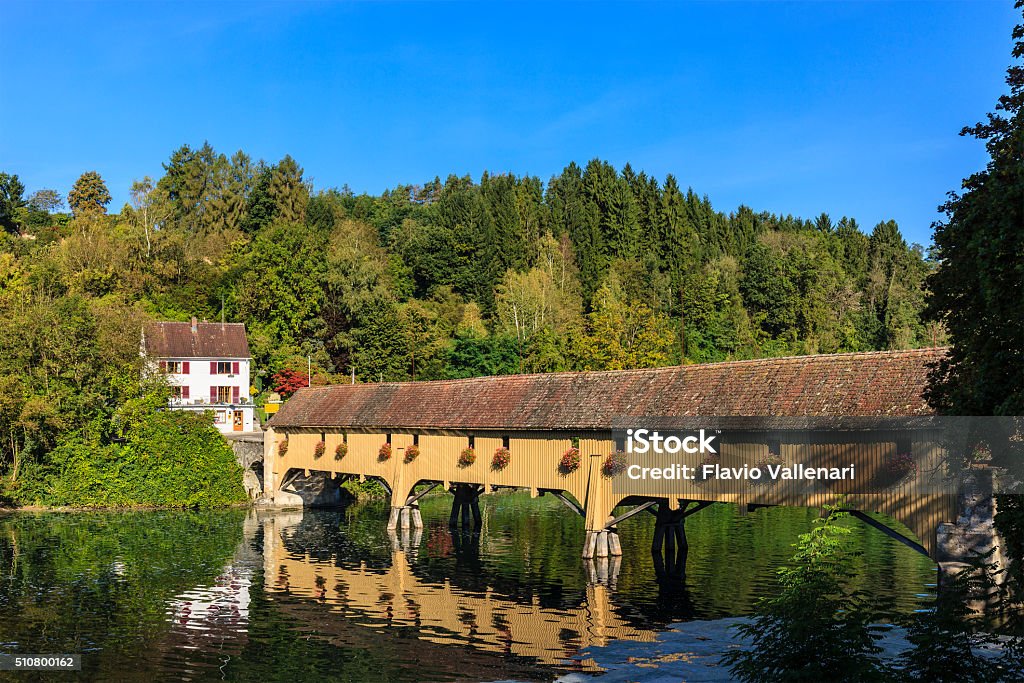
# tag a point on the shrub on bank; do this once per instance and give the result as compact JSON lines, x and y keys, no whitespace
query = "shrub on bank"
{"x":168,"y":458}
{"x":813,"y":628}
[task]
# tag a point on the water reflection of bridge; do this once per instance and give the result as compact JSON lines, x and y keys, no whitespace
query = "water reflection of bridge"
{"x":441,"y":612}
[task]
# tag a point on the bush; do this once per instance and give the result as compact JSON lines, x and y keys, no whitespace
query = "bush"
{"x":813,"y":629}
{"x":169,"y":459}
{"x":371,"y":489}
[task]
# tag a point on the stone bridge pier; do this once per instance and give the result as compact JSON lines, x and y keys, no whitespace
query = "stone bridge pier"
{"x":973,"y":534}
{"x":248,"y":448}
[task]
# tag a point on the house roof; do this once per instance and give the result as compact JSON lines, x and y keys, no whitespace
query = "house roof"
{"x":876,"y":384}
{"x":210,"y":340}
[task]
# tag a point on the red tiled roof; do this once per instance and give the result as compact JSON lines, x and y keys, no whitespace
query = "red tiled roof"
{"x":210,"y":340}
{"x":883,"y":383}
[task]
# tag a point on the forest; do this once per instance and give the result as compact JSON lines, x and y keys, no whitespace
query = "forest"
{"x":596,"y":269}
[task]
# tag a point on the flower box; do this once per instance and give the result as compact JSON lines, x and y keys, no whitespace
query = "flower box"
{"x":570,"y":461}
{"x":501,"y":458}
{"x":614,"y":464}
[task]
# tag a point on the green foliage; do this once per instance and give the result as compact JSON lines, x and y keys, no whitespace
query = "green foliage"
{"x":11,"y":200}
{"x":168,"y":459}
{"x":371,"y":489}
{"x":596,"y":269}
{"x":814,"y":629}
{"x":979,"y":290}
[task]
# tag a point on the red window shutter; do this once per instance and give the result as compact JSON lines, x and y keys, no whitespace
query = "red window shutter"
{"x":234,"y":368}
{"x":163,"y":366}
{"x":234,"y":394}
{"x":184,"y":368}
{"x":184,"y":390}
{"x":213,"y":367}
{"x":213,"y":394}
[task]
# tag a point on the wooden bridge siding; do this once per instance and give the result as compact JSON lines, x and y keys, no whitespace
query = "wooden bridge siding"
{"x":533,"y":463}
{"x":535,"y":458}
{"x":910,"y":503}
{"x":439,"y":611}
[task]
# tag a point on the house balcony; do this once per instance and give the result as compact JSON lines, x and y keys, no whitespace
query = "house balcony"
{"x":199,"y":402}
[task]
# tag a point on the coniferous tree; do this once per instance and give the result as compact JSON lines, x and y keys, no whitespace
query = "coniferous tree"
{"x":288,"y":192}
{"x":11,"y":200}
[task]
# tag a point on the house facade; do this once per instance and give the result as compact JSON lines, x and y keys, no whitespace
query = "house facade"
{"x":207,"y":367}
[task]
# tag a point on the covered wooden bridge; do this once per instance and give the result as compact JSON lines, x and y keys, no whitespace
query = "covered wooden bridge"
{"x":477,"y":435}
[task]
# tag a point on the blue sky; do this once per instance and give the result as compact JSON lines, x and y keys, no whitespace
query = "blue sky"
{"x":849,"y":108}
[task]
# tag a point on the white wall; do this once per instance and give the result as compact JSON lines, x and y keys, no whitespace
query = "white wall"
{"x":199,"y":380}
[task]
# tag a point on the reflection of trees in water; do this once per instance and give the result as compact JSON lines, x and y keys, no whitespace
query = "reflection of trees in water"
{"x":100,"y":582}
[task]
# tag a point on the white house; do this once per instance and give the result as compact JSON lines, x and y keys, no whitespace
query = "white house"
{"x":207,"y":366}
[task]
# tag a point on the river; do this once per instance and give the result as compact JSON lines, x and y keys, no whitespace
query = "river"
{"x":279,"y":595}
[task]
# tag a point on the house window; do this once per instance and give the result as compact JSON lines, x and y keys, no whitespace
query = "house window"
{"x":174,"y":367}
{"x":504,"y":442}
{"x":220,"y":417}
{"x":179,"y":392}
{"x":224,"y":367}
{"x":224,"y":394}
{"x":774,"y":448}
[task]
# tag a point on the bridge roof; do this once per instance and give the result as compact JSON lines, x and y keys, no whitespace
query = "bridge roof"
{"x":874,"y":384}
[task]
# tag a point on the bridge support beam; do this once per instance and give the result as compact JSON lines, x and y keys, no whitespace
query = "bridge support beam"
{"x":405,"y":517}
{"x":670,"y":533}
{"x":466,"y":502}
{"x":603,"y":543}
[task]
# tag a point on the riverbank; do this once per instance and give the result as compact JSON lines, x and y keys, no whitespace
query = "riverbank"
{"x":691,"y":652}
{"x":119,"y":508}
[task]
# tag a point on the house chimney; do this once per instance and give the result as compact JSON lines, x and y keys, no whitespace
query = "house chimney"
{"x":195,"y":325}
